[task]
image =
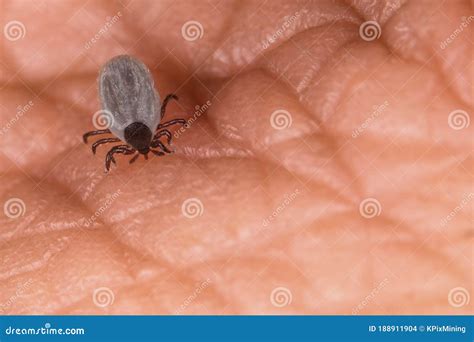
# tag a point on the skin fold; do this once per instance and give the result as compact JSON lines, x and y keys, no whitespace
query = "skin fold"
{"x":280,"y":224}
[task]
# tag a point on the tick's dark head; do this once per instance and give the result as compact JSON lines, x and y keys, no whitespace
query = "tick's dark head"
{"x":138,"y":135}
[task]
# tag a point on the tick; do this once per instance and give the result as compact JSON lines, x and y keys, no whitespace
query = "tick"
{"x":133,"y":111}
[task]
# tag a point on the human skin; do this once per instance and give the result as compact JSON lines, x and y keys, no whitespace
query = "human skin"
{"x":329,"y":255}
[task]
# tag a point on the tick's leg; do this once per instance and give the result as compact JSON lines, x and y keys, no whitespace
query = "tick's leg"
{"x":161,"y":133}
{"x":91,"y":133}
{"x":110,"y":159}
{"x":171,"y":122}
{"x":103,"y":141}
{"x":134,"y":158}
{"x":157,"y":143}
{"x":165,"y":103}
{"x":123,"y":149}
{"x":158,"y":153}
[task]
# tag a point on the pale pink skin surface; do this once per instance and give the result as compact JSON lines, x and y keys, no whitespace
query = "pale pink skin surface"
{"x":319,"y":247}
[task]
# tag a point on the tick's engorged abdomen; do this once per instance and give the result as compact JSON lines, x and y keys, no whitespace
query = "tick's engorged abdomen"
{"x":126,"y":89}
{"x":132,"y":110}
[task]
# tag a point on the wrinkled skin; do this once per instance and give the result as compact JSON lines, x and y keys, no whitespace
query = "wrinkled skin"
{"x":314,"y":175}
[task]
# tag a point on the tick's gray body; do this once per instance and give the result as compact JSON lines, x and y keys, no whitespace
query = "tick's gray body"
{"x":126,"y":90}
{"x":132,"y":111}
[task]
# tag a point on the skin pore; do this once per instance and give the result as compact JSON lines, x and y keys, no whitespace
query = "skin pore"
{"x":361,"y":204}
